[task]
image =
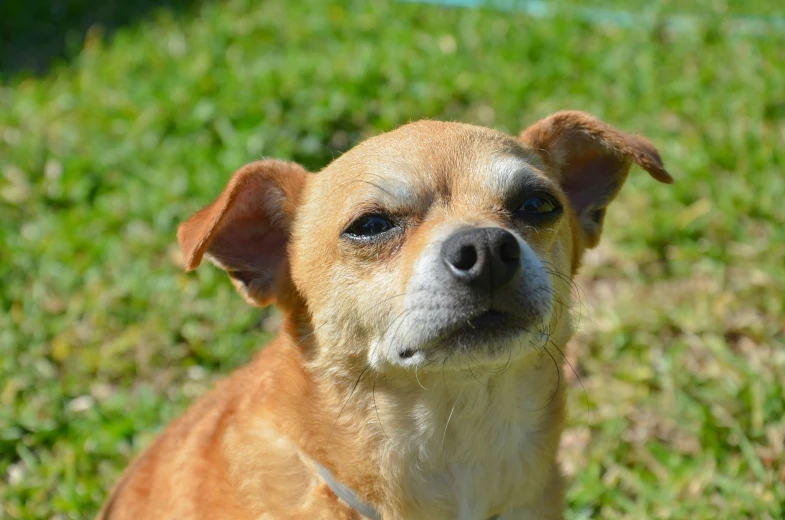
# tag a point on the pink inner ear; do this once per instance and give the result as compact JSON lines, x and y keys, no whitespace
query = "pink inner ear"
{"x":250,"y":246}
{"x":593,"y":180}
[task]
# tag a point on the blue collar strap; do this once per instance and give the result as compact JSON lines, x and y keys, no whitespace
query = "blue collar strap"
{"x":348,"y":495}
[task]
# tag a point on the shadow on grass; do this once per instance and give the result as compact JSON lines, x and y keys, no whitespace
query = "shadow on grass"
{"x":35,"y":34}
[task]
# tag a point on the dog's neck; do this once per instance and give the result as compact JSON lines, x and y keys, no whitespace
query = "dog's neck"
{"x":455,"y":443}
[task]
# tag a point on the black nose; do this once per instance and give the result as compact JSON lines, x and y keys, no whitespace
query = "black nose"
{"x":482,"y":258}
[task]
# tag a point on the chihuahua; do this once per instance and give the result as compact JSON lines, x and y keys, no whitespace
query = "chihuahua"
{"x":424,"y":281}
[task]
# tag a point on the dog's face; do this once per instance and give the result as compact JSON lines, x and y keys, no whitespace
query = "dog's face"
{"x":435,"y":245}
{"x":433,"y":240}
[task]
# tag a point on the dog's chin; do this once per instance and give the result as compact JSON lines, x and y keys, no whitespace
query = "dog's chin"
{"x":488,"y":338}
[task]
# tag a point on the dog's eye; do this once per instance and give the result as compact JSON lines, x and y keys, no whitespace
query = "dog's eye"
{"x":369,"y":226}
{"x":539,"y":207}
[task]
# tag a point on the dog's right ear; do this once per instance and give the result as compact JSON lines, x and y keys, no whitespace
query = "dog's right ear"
{"x":246,"y":230}
{"x":591,"y":160}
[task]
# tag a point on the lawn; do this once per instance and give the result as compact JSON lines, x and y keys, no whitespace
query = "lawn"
{"x":678,"y":407}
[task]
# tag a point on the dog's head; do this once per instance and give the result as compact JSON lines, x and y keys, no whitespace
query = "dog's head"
{"x":437,"y":244}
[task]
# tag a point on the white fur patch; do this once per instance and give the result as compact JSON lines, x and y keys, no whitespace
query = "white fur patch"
{"x":469,"y":447}
{"x":425,"y":308}
{"x":505,"y":172}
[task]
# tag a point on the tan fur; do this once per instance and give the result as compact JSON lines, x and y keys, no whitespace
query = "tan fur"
{"x":475,"y":437}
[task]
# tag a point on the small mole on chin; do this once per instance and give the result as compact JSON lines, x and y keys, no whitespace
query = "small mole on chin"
{"x":406,"y":354}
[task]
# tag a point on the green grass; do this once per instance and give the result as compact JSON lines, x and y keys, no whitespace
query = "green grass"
{"x":680,"y":409}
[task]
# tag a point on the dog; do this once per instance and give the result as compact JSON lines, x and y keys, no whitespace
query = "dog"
{"x":424,"y":281}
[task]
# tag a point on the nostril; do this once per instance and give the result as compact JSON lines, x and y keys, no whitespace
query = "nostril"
{"x":465,"y":257}
{"x":482,"y":258}
{"x":509,"y":250}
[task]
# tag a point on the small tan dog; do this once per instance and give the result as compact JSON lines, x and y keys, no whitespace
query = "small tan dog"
{"x":424,"y":279}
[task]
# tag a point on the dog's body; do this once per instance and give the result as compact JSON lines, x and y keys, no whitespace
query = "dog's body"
{"x":424,"y":281}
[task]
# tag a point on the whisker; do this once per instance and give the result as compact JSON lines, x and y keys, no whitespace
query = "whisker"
{"x":378,"y":417}
{"x":444,"y":434}
{"x":417,"y":377}
{"x":578,"y":377}
{"x":558,"y":376}
{"x":327,"y":444}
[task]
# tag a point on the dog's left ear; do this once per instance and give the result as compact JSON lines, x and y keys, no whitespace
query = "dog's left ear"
{"x":591,"y":160}
{"x":245,"y":231}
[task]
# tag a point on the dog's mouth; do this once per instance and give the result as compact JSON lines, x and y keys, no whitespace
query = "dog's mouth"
{"x":479,"y":331}
{"x":483,"y":328}
{"x":489,"y":318}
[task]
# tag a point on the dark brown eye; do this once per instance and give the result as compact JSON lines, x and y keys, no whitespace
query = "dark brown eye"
{"x":537,"y":205}
{"x":538,"y":208}
{"x":369,"y":226}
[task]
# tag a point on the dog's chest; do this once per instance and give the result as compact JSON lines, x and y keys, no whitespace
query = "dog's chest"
{"x":477,"y":487}
{"x":483,"y":454}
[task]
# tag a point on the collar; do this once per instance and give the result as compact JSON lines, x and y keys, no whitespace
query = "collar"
{"x":349,"y":496}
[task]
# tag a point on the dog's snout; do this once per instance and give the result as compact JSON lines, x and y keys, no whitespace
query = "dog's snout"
{"x":482,"y":258}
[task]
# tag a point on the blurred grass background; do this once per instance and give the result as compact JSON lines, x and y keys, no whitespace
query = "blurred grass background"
{"x":117,"y":122}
